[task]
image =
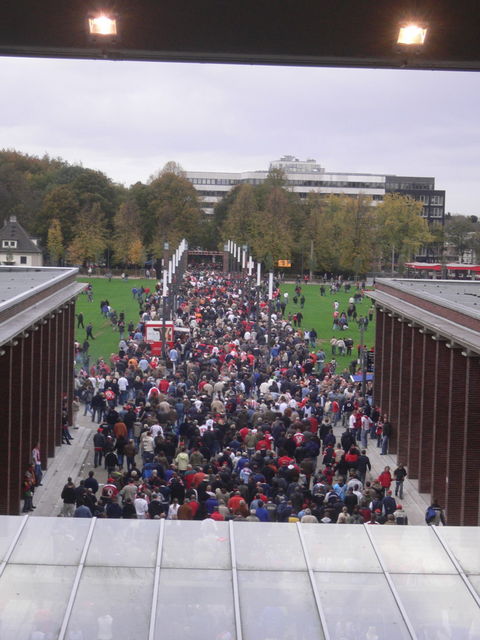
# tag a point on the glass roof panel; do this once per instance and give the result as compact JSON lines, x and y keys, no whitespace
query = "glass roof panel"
{"x":277,"y":546}
{"x":411,"y":550}
{"x":360,"y":605}
{"x":195,"y":604}
{"x":124,"y":543}
{"x":33,"y":600}
{"x":197,"y":545}
{"x":112,"y":603}
{"x":278,"y":605}
{"x":439,"y":606}
{"x":9,"y":526}
{"x":475,"y":581}
{"x":464,"y":543}
{"x":339,"y":548}
{"x":55,"y":541}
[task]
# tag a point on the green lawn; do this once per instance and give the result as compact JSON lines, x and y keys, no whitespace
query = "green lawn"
{"x":119,"y":294}
{"x":317,"y":313}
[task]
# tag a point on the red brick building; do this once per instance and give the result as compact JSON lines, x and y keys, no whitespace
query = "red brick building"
{"x":427,"y":379}
{"x":37,"y":313}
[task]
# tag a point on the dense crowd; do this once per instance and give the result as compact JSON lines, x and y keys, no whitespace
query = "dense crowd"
{"x":226,"y":427}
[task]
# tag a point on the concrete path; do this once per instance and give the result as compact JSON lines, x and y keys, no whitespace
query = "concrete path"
{"x":414,"y":503}
{"x":76,"y":461}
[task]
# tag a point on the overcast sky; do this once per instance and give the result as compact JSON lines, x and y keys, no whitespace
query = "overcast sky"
{"x":129,"y":118}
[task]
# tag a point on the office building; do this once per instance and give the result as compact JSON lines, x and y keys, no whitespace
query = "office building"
{"x":302,"y":177}
{"x":307,"y":176}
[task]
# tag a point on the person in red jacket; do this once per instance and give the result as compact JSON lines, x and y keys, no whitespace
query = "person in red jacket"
{"x":385,"y":479}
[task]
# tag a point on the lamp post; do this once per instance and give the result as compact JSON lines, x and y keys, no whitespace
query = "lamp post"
{"x":226,"y":251}
{"x":239,"y":258}
{"x":259,"y":280}
{"x":269,"y":329}
{"x":166,"y":248}
{"x":244,"y":256}
{"x":363,"y":354}
{"x":164,"y":313}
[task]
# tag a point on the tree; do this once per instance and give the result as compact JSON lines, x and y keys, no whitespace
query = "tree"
{"x":127,"y":241}
{"x":272,"y":233}
{"x":221,"y":211}
{"x":242,"y":215}
{"x":55,"y":246}
{"x":90,"y":236}
{"x":136,"y":251}
{"x":177,"y":211}
{"x":59,"y":203}
{"x":93,"y":187}
{"x":340,"y":228}
{"x":458,"y":232}
{"x":400,"y":228}
{"x":169,"y":167}
{"x":475,"y":246}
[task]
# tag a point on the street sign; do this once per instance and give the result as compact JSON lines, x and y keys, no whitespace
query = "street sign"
{"x":370,"y":361}
{"x":284,"y":263}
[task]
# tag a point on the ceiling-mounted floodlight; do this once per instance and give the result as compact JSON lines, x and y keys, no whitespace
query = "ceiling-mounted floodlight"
{"x":102,"y":26}
{"x":412,"y":35}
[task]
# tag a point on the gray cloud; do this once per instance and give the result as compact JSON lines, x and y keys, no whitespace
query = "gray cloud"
{"x":129,"y":118}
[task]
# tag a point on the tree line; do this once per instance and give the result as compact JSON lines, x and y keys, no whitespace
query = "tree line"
{"x":81,"y":217}
{"x":334,"y":233}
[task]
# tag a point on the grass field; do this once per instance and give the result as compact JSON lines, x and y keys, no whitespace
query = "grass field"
{"x":317,"y":313}
{"x":119,"y":294}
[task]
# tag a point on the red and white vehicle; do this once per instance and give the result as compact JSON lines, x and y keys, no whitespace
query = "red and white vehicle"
{"x":153,"y":333}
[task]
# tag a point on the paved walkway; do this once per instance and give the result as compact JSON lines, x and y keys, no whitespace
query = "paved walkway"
{"x":414,"y":503}
{"x":76,"y":461}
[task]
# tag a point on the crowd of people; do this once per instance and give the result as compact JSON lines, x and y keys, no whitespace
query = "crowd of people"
{"x":231,"y":423}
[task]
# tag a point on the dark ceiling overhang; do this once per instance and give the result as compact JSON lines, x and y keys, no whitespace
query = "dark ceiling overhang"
{"x":348,"y":33}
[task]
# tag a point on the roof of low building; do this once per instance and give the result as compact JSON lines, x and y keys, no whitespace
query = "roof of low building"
{"x":28,"y":294}
{"x":461,"y":295}
{"x":13,"y":230}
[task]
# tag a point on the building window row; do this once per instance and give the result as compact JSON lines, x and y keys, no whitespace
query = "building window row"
{"x":295,"y":183}
{"x":9,"y":244}
{"x":213,"y":194}
{"x":409,"y":186}
{"x":225,"y":181}
{"x":344,"y":184}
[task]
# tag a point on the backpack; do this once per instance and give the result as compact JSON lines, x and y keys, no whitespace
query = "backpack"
{"x":430,"y":514}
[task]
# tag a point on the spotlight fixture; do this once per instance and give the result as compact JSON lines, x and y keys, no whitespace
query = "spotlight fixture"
{"x":102,"y":25}
{"x":412,"y":35}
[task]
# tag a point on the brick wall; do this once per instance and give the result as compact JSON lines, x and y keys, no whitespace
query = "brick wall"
{"x":432,"y":395}
{"x":404,"y":396}
{"x":441,"y":423}
{"x":470,"y":514}
{"x":35,"y":374}
{"x":394,"y":390}
{"x":427,"y":415}
{"x":379,"y":351}
{"x":417,"y":376}
{"x":454,"y":478}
